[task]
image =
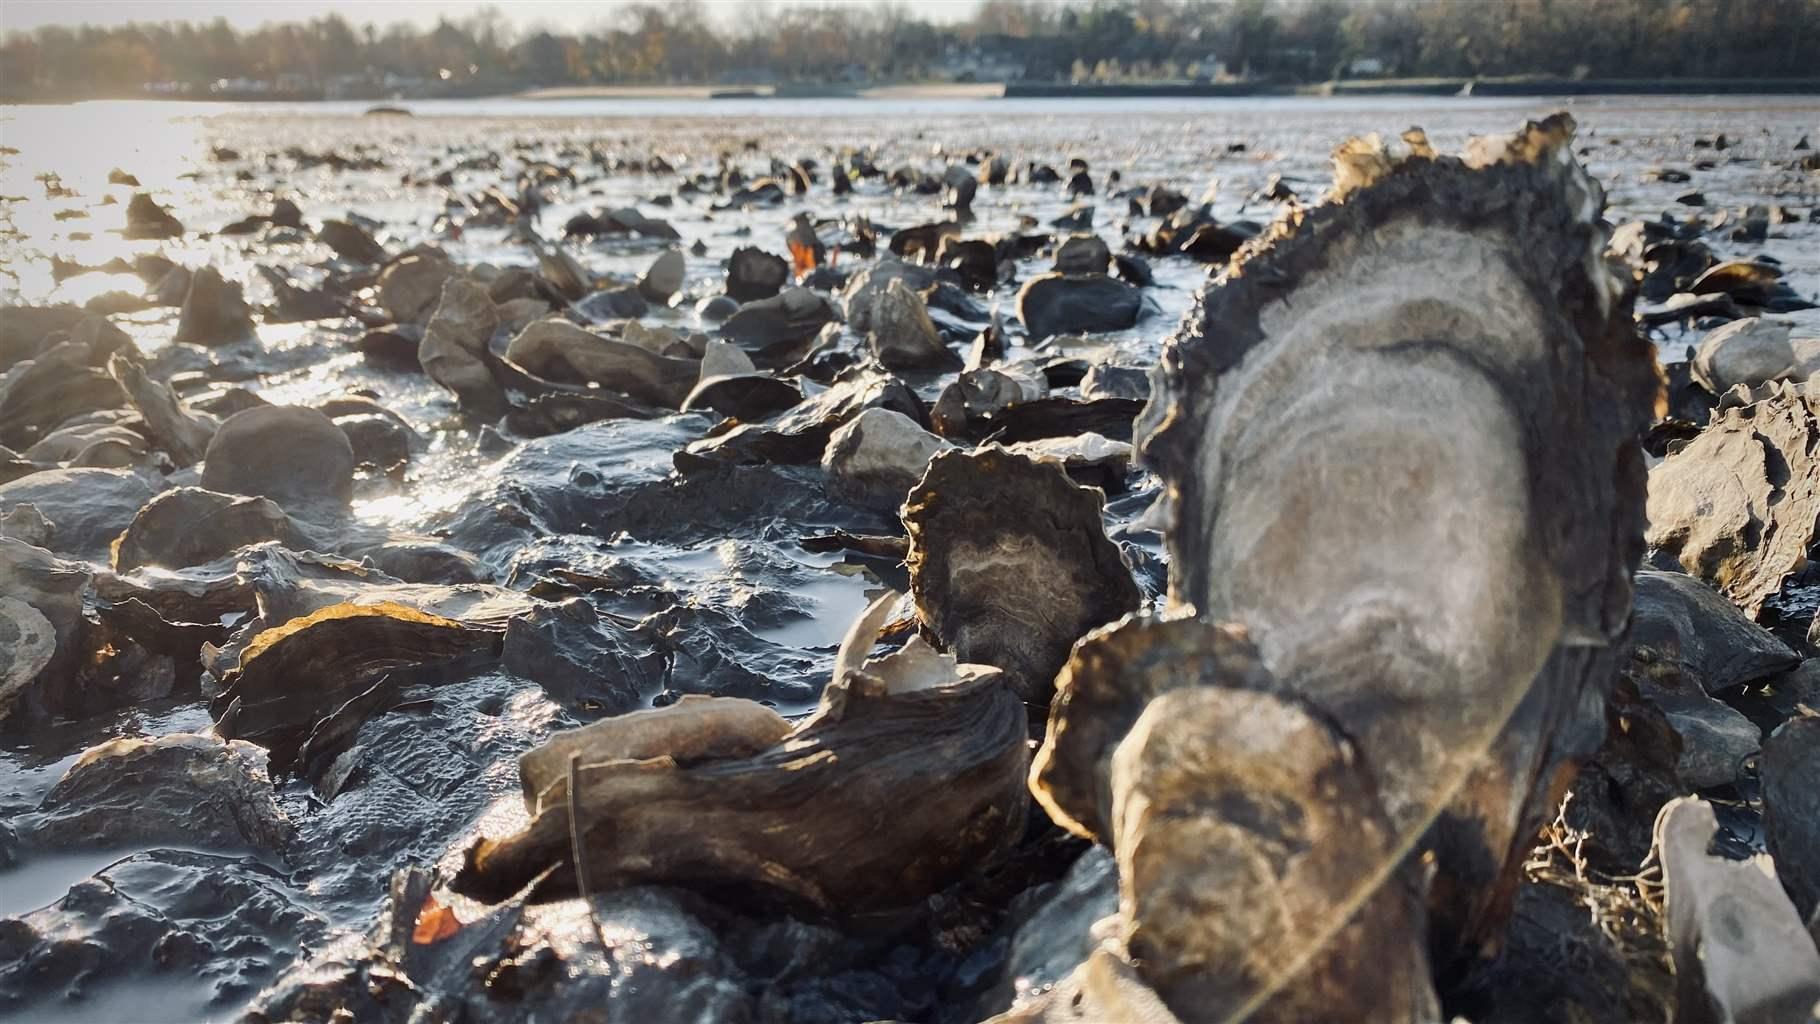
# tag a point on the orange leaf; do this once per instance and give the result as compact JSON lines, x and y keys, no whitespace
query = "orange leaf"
{"x":803,"y":256}
{"x":435,"y":922}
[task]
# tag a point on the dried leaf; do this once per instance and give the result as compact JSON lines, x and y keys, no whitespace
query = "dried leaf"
{"x":435,"y":922}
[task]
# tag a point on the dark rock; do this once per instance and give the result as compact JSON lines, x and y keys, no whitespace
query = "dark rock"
{"x":1082,"y":254}
{"x":864,"y":288}
{"x":59,"y":386}
{"x":1790,"y":772}
{"x":379,"y":442}
{"x":214,"y":311}
{"x":393,"y":347}
{"x":1161,"y":201}
{"x":285,"y":214}
{"x":1715,"y":739}
{"x":423,"y":561}
{"x":351,"y":242}
{"x":1624,"y":784}
{"x":295,"y":456}
{"x":1106,"y":380}
{"x":1056,"y":303}
{"x":292,"y":303}
{"x":1684,"y":620}
{"x":1748,"y":352}
{"x":146,"y":219}
{"x":902,"y":336}
{"x":748,"y":397}
{"x":455,"y":348}
{"x":664,"y":278}
{"x":582,"y":660}
{"x":180,"y":432}
{"x":717,"y":307}
{"x":615,"y":304}
{"x":975,"y":396}
{"x":800,"y":436}
{"x":777,"y":331}
{"x":975,"y":260}
{"x":23,"y":329}
{"x":1056,"y":934}
{"x":570,"y":482}
{"x":754,"y":274}
{"x":411,"y":286}
{"x":1132,"y":269}
{"x":558,"y":350}
{"x":43,"y":601}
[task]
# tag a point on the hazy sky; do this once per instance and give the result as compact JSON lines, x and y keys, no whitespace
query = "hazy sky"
{"x":560,"y":14}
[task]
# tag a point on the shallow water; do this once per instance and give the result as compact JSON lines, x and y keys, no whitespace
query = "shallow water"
{"x":798,"y":604}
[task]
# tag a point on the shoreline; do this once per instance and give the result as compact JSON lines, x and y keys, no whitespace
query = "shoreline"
{"x":1513,"y":87}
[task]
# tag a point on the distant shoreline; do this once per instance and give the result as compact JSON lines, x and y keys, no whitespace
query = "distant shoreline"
{"x":1501,"y":87}
{"x":1512,"y":87}
{"x":907,"y":90}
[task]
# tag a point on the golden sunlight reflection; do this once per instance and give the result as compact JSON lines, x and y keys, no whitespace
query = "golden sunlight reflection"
{"x":58,"y":199}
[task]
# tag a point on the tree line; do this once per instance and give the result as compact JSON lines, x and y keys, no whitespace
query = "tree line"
{"x":678,"y":42}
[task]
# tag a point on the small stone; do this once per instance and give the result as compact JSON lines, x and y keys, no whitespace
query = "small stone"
{"x":1086,"y":303}
{"x":412,"y":285}
{"x":214,"y":311}
{"x":351,"y":242}
{"x":1083,"y":254}
{"x":878,"y":456}
{"x":754,"y":274}
{"x":455,"y":346}
{"x":146,"y":219}
{"x":664,"y":279}
{"x":1749,"y":352}
{"x":903,"y":337}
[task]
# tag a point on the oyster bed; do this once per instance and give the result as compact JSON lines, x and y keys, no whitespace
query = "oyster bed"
{"x":272,"y":672}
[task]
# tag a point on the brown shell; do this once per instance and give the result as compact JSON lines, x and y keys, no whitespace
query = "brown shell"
{"x":291,"y":675}
{"x":1009,"y":564}
{"x":877,"y":801}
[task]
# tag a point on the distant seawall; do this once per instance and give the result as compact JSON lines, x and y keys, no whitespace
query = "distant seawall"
{"x":1087,"y":90}
{"x":1526,"y":86}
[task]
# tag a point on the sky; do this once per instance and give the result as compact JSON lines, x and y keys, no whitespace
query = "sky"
{"x":553,"y":14}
